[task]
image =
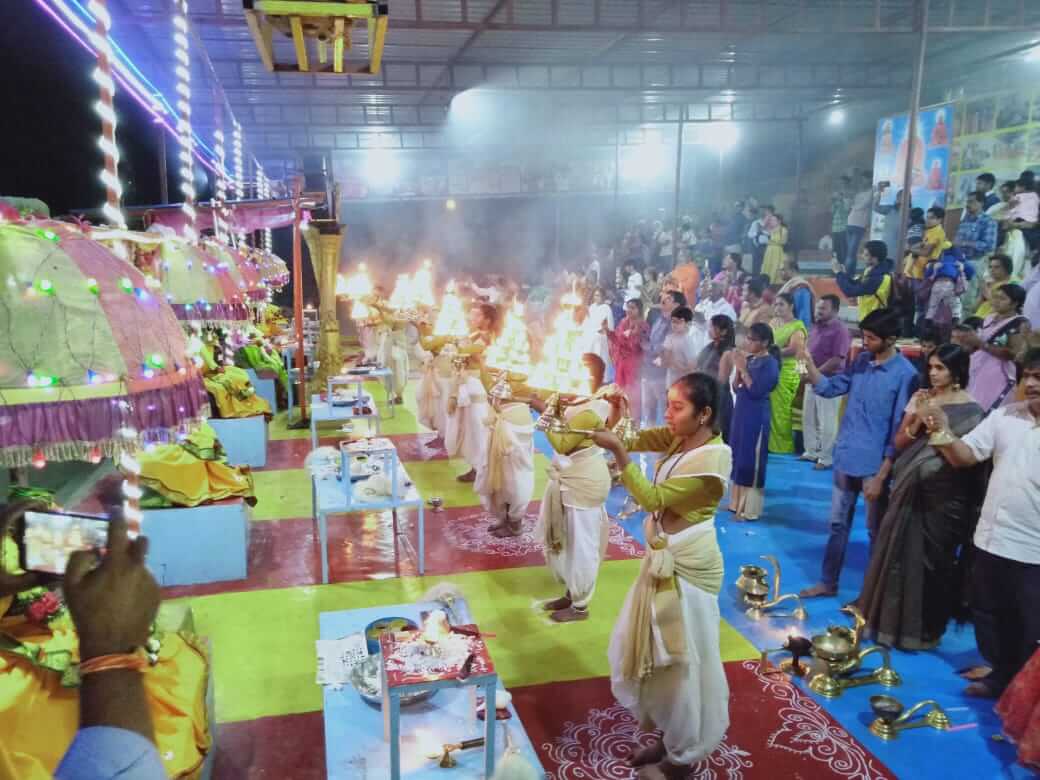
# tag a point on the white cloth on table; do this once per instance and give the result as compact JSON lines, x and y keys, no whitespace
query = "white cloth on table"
{"x":688,"y":701}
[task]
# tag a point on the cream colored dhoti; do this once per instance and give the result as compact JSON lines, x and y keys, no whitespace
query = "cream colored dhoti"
{"x":505,"y":480}
{"x":465,"y":435}
{"x":573,"y":521}
{"x":686,"y":697}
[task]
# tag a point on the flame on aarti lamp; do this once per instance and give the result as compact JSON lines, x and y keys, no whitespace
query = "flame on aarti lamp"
{"x":359,"y":310}
{"x":572,"y":298}
{"x":422,"y":281}
{"x":511,"y":351}
{"x":404,"y":295}
{"x":451,"y":319}
{"x":435,"y":627}
{"x":561,"y":368}
{"x":357,"y":285}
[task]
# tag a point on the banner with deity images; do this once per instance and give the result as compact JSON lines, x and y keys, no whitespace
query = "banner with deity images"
{"x":998,"y":134}
{"x":929,"y":155}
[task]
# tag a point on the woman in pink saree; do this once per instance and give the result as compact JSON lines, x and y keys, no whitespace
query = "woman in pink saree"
{"x":626,"y":350}
{"x":1003,"y":335}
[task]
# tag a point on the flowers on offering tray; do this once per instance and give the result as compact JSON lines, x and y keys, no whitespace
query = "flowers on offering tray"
{"x":451,"y":319}
{"x":436,"y":652}
{"x":512,"y":349}
{"x":561,"y":368}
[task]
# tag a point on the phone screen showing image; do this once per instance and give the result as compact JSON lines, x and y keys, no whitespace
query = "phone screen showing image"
{"x":50,"y":538}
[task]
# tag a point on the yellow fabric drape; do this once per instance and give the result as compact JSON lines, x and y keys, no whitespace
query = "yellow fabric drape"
{"x":193,"y":473}
{"x":692,"y":490}
{"x":231,"y":389}
{"x":39,"y":717}
{"x":697,"y":560}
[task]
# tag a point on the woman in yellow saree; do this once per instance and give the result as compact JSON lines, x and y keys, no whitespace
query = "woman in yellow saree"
{"x":665,"y":656}
{"x":773,"y":260}
{"x":789,"y":334}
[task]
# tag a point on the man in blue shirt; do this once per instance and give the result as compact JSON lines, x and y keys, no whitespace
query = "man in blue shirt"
{"x":878,"y":384}
{"x":984,"y":185}
{"x":977,"y":239}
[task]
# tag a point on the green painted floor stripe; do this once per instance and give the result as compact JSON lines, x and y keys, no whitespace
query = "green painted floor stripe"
{"x":263,"y":641}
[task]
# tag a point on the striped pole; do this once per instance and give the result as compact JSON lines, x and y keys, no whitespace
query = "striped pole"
{"x":220,"y":209}
{"x":105,"y":108}
{"x":240,"y":180}
{"x":182,"y":70}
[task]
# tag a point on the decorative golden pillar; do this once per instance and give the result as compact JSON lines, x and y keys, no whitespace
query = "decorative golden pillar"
{"x":324,"y":239}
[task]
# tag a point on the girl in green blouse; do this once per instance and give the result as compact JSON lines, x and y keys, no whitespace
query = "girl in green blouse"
{"x":665,"y":656}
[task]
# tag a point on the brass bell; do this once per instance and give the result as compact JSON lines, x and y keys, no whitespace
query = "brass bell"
{"x":549,"y":420}
{"x":501,"y":391}
{"x":625,"y":430}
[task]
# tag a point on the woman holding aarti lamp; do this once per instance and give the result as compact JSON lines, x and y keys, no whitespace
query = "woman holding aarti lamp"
{"x":665,"y":657}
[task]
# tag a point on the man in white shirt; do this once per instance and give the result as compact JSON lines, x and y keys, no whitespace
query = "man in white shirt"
{"x":1006,"y":576}
{"x":716,"y":303}
{"x":634,"y":283}
{"x":858,"y":221}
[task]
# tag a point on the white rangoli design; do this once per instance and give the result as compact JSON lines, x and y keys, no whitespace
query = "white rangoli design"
{"x":808,"y":731}
{"x":470,"y":533}
{"x":597,"y":749}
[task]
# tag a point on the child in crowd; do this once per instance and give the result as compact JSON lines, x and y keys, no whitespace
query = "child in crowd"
{"x":944,"y":270}
{"x":678,"y":355}
{"x":1024,"y":206}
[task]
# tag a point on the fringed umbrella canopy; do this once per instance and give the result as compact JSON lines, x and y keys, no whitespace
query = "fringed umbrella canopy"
{"x":92,"y":360}
{"x":274,"y":270}
{"x":242,"y":269}
{"x":189,"y":277}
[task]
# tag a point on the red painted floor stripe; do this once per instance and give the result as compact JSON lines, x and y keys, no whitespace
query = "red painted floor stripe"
{"x":275,"y":748}
{"x":284,"y":553}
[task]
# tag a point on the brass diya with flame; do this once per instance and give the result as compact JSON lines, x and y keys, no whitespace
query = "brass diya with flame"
{"x":757,"y":595}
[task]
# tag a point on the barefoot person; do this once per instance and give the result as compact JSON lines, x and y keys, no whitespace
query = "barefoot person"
{"x":572,"y":519}
{"x":665,"y":659}
{"x":465,"y":435}
{"x":505,"y":480}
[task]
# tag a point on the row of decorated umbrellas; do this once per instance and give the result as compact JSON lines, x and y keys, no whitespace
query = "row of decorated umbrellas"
{"x":94,"y":358}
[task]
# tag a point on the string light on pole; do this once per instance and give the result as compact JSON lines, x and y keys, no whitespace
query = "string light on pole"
{"x":182,"y":69}
{"x":265,"y":193}
{"x":220,"y":209}
{"x":105,"y":108}
{"x":240,"y":181}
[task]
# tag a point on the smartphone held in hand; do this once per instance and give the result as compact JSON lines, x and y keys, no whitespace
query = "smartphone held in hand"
{"x":51,"y":537}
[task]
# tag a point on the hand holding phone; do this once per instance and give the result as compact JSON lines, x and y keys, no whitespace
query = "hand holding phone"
{"x":113,"y":603}
{"x":11,"y":583}
{"x":51,"y":537}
